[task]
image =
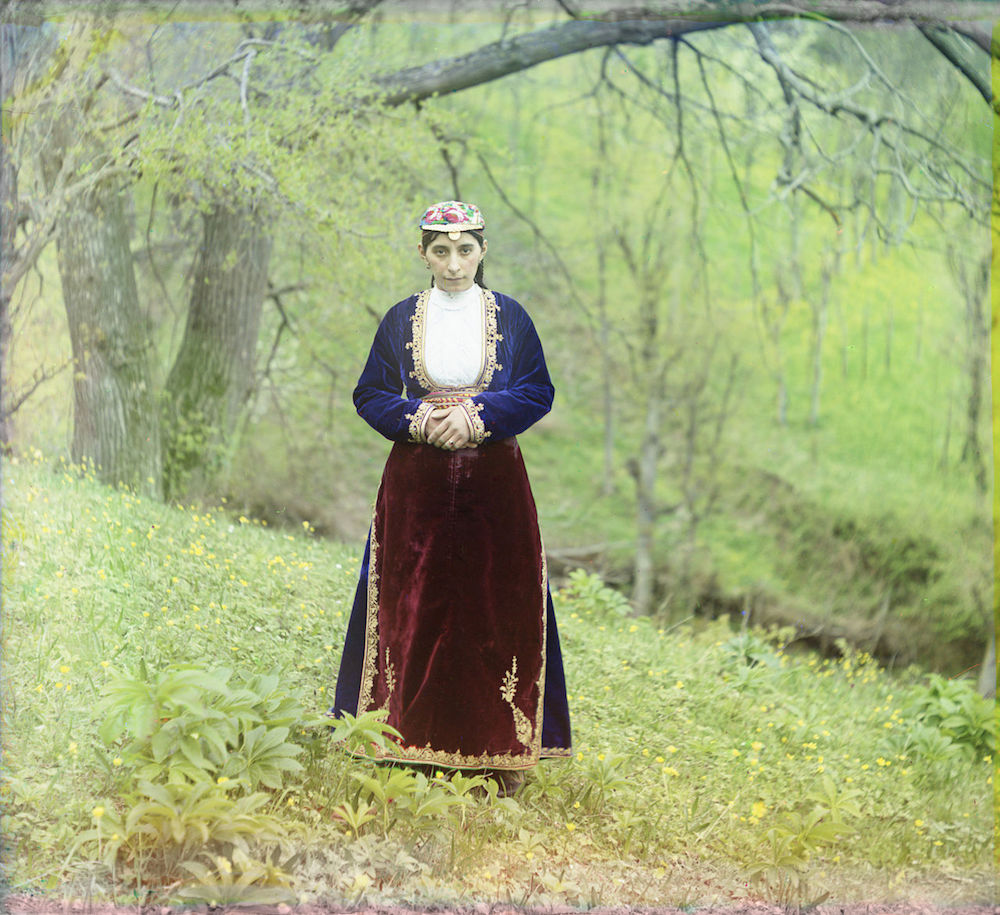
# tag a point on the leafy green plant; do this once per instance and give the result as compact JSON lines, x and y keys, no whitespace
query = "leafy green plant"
{"x":153,"y":829}
{"x":604,"y":774}
{"x":592,"y":596}
{"x":204,"y":743}
{"x":796,"y":835}
{"x":191,"y":724}
{"x":355,"y":815}
{"x":238,"y":880}
{"x":780,"y":868}
{"x":958,"y":712}
{"x":366,"y":733}
{"x":748,"y":649}
{"x":926,"y":742}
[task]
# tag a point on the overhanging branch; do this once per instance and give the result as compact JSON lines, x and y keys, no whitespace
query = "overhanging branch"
{"x":500,"y":59}
{"x":670,"y":19}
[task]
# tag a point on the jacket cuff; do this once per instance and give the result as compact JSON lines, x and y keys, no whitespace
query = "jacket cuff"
{"x":418,"y":422}
{"x":476,"y":424}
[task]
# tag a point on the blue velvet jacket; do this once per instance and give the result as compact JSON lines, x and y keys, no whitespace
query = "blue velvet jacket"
{"x":395,"y":393}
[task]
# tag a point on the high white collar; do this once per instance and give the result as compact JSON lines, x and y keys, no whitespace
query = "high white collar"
{"x":455,"y":301}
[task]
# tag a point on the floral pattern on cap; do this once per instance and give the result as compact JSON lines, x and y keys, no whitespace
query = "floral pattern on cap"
{"x":453,"y":217}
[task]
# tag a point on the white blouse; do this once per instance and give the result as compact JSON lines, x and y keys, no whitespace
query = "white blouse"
{"x":453,"y":345}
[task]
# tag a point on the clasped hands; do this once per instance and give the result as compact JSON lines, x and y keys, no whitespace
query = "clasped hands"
{"x":448,"y":428}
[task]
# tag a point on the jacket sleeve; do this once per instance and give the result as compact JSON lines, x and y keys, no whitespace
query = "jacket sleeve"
{"x":529,"y":392}
{"x":378,"y":395}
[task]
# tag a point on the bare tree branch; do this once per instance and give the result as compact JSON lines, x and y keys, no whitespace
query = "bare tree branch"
{"x":244,"y":80}
{"x":38,"y":378}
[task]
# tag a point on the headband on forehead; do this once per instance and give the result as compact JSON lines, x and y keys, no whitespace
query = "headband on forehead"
{"x":453,"y":217}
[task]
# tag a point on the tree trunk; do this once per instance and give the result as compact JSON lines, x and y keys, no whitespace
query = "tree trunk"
{"x":644,"y":580}
{"x":890,"y":326}
{"x":819,"y":315}
{"x":972,"y":451}
{"x":213,"y":375}
{"x":776,"y":323}
{"x":865,"y":323}
{"x":607,"y":395}
{"x":975,"y":290}
{"x":8,"y":226}
{"x":987,"y":685}
{"x":115,"y":425}
{"x":946,"y":444}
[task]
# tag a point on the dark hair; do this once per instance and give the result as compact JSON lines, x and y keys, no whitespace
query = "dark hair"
{"x":427,"y":239}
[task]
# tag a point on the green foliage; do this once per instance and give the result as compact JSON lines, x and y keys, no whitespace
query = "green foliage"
{"x":951,"y":712}
{"x":200,"y":750}
{"x":152,"y":832}
{"x":366,"y":733}
{"x":593,"y":596}
{"x":195,"y":449}
{"x":682,"y":736}
{"x":188,"y":724}
{"x":239,"y":881}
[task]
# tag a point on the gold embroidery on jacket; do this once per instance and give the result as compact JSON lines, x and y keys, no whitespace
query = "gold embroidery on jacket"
{"x":490,"y":340}
{"x":418,"y":323}
{"x":479,"y":430}
{"x":417,"y":344}
{"x":416,"y":427}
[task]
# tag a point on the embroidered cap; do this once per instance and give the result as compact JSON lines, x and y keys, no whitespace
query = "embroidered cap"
{"x":453,"y":217}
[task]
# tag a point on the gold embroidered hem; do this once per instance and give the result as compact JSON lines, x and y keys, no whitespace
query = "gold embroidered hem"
{"x":370,"y":662}
{"x":429,"y":757}
{"x":425,"y":756}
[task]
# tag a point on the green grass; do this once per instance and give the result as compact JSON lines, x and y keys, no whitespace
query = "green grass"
{"x":710,"y":766}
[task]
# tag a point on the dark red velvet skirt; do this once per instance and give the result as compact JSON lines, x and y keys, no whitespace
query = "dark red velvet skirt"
{"x":456,"y":610}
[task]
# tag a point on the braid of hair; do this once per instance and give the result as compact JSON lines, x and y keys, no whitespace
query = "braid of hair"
{"x":478,"y":236}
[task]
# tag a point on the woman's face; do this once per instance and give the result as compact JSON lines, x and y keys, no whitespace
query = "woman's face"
{"x":453,"y":261}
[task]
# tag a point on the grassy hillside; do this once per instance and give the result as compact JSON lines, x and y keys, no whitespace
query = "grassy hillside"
{"x":710,"y":765}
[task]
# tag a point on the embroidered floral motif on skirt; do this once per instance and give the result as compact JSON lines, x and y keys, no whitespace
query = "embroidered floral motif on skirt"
{"x":454,"y":643}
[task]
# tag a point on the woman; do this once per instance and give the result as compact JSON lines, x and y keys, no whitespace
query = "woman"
{"x":452,"y":629}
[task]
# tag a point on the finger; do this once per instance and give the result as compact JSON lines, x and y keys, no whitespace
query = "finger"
{"x":441,"y":432}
